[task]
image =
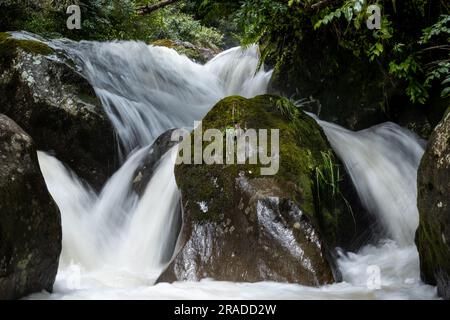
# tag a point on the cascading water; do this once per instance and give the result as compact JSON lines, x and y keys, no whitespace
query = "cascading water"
{"x":152,"y":89}
{"x":115,"y":243}
{"x":382,"y":162}
{"x":145,"y":91}
{"x":116,"y":230}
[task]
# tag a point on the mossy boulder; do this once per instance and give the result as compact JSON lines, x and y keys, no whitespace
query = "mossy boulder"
{"x":242,"y":226}
{"x":433,"y":234}
{"x":196,"y":53}
{"x":30,"y":226}
{"x":57,"y":106}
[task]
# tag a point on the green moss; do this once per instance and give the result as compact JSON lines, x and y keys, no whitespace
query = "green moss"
{"x":262,"y":112}
{"x":34,"y":47}
{"x":8,"y":45}
{"x":191,"y":53}
{"x":302,"y":145}
{"x":4,"y":36}
{"x":434,"y":253}
{"x":164,"y":43}
{"x":89,"y":99}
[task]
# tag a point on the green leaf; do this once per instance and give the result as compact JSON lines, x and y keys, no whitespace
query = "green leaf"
{"x":445,"y":93}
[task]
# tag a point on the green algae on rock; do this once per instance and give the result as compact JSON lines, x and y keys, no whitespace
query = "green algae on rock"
{"x":241,"y":226}
{"x":196,"y":53}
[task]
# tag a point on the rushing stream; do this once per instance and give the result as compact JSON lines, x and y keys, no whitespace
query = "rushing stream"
{"x":115,"y":244}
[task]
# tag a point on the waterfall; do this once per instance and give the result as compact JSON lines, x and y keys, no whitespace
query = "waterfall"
{"x":147,"y":90}
{"x":115,"y":243}
{"x":116,"y":229}
{"x":382,"y":162}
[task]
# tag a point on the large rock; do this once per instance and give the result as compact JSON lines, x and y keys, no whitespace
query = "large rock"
{"x":433,"y":235}
{"x":241,"y":226}
{"x":199,"y":54}
{"x":57,"y":106}
{"x":30,"y":227}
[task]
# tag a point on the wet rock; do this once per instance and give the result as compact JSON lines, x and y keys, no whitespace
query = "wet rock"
{"x":30,"y":226}
{"x":197,"y":53}
{"x":242,"y":226}
{"x":433,"y":234}
{"x":145,"y":171}
{"x":57,"y":106}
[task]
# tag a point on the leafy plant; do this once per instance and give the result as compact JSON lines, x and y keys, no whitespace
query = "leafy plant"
{"x":327,"y":177}
{"x":411,"y":47}
{"x":438,"y":35}
{"x":182,"y":26}
{"x":287,"y":108}
{"x":327,"y":181}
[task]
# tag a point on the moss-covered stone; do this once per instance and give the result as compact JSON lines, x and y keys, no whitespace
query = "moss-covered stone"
{"x":301,"y":145}
{"x":198,"y":54}
{"x":9,"y":45}
{"x":433,"y":234}
{"x":30,"y":226}
{"x":57,"y":107}
{"x":235,"y":210}
{"x":26,"y":45}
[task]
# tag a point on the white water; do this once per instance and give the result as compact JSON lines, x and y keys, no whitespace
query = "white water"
{"x":149,"y":89}
{"x":116,"y":230}
{"x":114,"y":244}
{"x":382,"y":162}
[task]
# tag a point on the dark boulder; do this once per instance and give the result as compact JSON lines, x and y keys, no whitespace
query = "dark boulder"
{"x":30,"y":226}
{"x":151,"y":161}
{"x":433,"y":234}
{"x":200,"y":54}
{"x":241,"y":226}
{"x":57,"y":107}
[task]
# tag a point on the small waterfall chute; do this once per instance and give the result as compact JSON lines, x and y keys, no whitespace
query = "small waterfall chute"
{"x":116,"y":229}
{"x":382,"y":162}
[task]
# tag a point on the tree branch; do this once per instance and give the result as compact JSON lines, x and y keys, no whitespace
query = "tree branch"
{"x":153,"y":7}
